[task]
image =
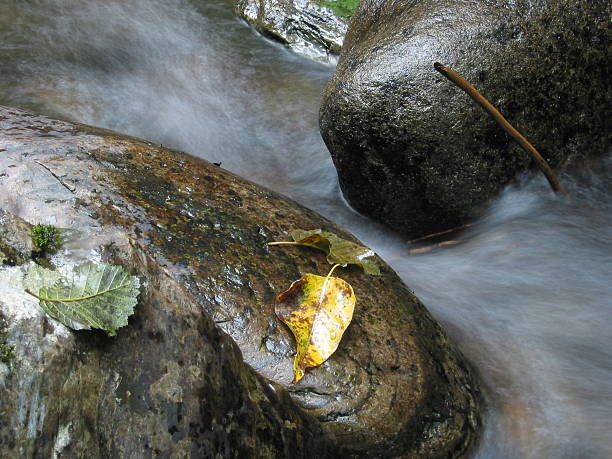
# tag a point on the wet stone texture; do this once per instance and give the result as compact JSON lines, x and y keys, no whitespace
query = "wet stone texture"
{"x":415,"y":152}
{"x":171,"y":381}
{"x":15,"y":241}
{"x":304,"y":26}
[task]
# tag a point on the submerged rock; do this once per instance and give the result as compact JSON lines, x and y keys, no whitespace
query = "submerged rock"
{"x":170,"y":381}
{"x":415,"y":152}
{"x":304,"y":26}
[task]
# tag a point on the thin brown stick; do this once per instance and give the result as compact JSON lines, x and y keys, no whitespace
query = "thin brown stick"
{"x":429,"y":248}
{"x":422,"y":250}
{"x":497,"y":116}
{"x":441,"y":233}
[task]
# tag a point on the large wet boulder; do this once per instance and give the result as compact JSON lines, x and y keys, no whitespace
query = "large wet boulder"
{"x":197,"y":234}
{"x":415,"y":152}
{"x":169,"y":385}
{"x":305,"y":26}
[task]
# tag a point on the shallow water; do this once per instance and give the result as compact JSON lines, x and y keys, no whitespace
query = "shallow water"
{"x":525,"y":293}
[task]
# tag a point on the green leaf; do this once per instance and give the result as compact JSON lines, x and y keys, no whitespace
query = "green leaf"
{"x":339,"y":251}
{"x":96,"y":295}
{"x":2,"y":258}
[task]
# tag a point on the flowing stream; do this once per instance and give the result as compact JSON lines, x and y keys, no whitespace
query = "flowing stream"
{"x":525,"y":294}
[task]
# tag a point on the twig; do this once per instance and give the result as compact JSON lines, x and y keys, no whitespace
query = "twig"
{"x":441,"y":233}
{"x":429,"y":248}
{"x":497,"y":116}
{"x":422,"y":250}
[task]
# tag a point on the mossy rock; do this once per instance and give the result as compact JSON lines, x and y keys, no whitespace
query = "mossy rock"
{"x":16,"y":244}
{"x":47,"y":239}
{"x":7,"y":352}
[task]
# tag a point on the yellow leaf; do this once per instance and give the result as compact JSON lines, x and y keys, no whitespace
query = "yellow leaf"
{"x":317,"y":310}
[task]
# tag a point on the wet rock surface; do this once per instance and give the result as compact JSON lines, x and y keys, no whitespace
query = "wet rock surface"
{"x":15,"y":241}
{"x":170,"y":384}
{"x":304,"y":26}
{"x":413,"y":151}
{"x":197,"y":235}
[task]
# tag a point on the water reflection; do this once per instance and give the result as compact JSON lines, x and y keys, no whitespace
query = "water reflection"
{"x":525,"y":293}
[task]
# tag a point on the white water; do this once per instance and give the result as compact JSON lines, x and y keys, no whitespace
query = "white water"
{"x":525,"y":295}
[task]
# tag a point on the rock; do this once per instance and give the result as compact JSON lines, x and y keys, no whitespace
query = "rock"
{"x":170,"y":384}
{"x":413,"y":151}
{"x":302,"y":25}
{"x":197,"y":234}
{"x":15,"y":241}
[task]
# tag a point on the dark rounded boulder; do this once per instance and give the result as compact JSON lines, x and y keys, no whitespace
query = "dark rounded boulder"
{"x":415,"y":152}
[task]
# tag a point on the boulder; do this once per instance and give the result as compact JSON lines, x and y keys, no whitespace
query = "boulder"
{"x":169,"y":385}
{"x":415,"y":152}
{"x":171,"y":381}
{"x":304,"y":26}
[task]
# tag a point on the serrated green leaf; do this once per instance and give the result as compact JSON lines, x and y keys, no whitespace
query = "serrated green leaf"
{"x":339,"y":251}
{"x":96,"y":295}
{"x":38,"y":277}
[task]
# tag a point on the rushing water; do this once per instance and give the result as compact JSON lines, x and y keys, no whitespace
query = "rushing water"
{"x":526,"y":290}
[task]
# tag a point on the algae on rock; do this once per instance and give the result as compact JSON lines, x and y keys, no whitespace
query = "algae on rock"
{"x":342,"y":8}
{"x":7,"y":352}
{"x":47,"y":239}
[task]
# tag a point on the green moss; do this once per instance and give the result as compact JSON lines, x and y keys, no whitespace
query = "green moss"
{"x":267,"y":452}
{"x":46,"y":238}
{"x":342,"y":8}
{"x":7,"y":352}
{"x":289,"y":424}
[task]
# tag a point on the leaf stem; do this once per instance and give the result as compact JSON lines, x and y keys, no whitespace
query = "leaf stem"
{"x":284,"y":242}
{"x":331,"y":271}
{"x":497,"y":116}
{"x":327,"y":282}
